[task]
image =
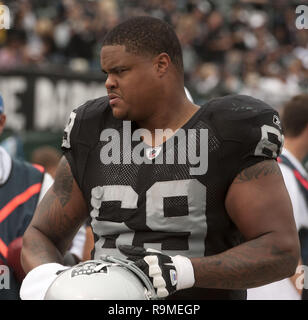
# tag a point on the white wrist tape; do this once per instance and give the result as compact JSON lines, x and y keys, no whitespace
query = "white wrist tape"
{"x":185,"y":272}
{"x":38,"y":280}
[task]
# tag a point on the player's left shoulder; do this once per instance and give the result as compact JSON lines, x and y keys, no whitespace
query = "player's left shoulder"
{"x":247,"y":127}
{"x":239,"y":106}
{"x":237,"y":115}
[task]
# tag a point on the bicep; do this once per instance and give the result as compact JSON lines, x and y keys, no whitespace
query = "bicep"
{"x":62,"y":211}
{"x":258,"y":202}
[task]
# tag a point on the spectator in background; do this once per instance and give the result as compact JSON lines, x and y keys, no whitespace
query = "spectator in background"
{"x":295,"y":126}
{"x":48,"y":157}
{"x":13,"y":54}
{"x":22,"y":186}
{"x":67,"y":34}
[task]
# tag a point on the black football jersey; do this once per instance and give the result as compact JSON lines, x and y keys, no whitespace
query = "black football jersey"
{"x":173,"y":199}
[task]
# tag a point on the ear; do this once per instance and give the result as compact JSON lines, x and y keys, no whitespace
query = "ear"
{"x":162,"y":63}
{"x":2,"y":122}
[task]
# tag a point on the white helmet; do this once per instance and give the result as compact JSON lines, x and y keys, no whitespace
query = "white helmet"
{"x":106,"y":279}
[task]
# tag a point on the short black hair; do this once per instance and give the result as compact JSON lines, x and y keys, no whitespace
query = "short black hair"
{"x":295,"y":115}
{"x":147,"y":35}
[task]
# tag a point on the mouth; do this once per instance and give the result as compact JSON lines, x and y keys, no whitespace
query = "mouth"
{"x":113,"y":99}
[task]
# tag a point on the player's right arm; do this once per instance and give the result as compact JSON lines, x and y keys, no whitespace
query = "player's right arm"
{"x":57,"y":219}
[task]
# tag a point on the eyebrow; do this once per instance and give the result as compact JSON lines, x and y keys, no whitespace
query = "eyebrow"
{"x":115,"y":69}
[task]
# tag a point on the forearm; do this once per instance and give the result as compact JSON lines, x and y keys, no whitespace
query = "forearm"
{"x":38,"y":249}
{"x":251,"y":264}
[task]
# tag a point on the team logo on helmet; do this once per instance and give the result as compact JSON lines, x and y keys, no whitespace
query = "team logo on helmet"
{"x":89,"y":268}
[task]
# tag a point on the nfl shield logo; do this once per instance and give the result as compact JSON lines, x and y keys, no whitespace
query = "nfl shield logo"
{"x":152,"y":153}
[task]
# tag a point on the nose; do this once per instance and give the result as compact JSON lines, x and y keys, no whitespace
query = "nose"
{"x":111,"y":82}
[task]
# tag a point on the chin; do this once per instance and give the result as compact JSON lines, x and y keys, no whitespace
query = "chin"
{"x":119,"y":114}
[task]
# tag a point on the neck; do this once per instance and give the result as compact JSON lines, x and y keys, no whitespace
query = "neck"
{"x":172,"y":107}
{"x":297,"y":146}
{"x":172,"y":115}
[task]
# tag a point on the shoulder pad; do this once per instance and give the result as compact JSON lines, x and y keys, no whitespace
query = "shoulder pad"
{"x":237,"y":107}
{"x":250,"y":122}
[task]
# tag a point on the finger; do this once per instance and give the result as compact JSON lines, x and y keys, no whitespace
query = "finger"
{"x":162,"y":292}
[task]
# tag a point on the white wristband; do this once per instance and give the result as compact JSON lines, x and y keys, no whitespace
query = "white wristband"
{"x":38,"y":280}
{"x":185,"y":272}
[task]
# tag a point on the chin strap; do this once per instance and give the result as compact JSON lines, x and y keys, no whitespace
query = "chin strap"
{"x":138,"y":272}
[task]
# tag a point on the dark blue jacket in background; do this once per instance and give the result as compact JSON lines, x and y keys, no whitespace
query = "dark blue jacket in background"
{"x":18,"y":199}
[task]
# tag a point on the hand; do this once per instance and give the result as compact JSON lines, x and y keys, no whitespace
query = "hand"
{"x":168,"y":274}
{"x":38,"y":280}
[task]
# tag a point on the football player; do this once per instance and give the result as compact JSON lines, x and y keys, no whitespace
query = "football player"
{"x":197,"y":235}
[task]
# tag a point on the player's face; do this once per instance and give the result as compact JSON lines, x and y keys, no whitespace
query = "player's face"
{"x":131,"y":82}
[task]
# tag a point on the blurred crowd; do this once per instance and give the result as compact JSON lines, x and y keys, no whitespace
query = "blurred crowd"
{"x":232,"y":46}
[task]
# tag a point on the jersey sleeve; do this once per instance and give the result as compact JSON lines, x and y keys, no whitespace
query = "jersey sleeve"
{"x":250,"y":131}
{"x":70,"y":140}
{"x":81,"y":133}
